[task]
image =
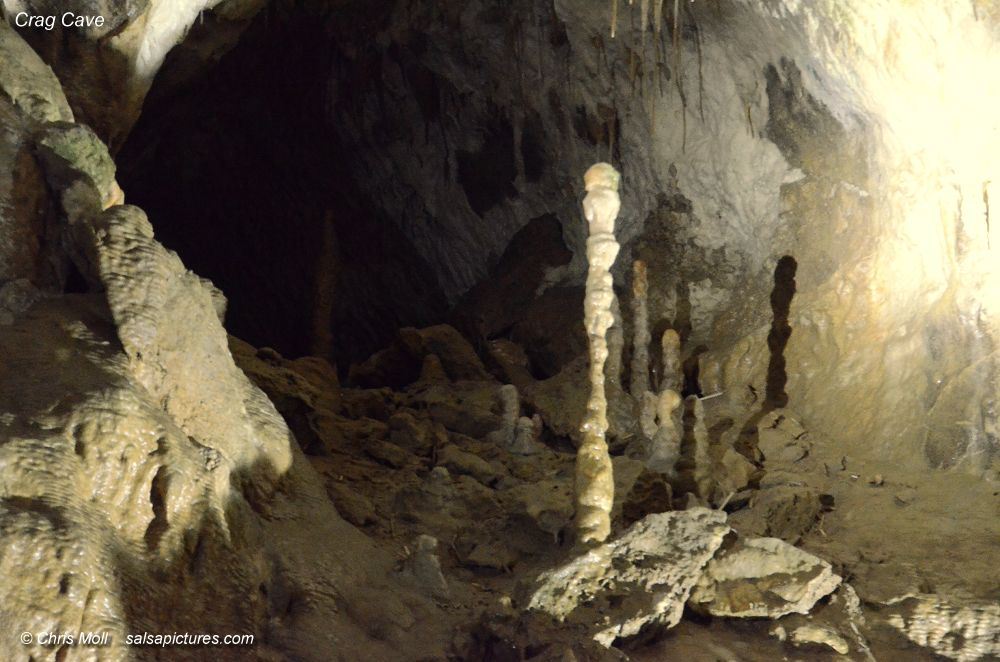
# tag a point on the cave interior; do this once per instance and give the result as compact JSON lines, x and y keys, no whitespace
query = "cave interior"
{"x":500,"y":330}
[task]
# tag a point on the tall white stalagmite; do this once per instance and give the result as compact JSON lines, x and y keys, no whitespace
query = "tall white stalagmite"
{"x":594,"y":477}
{"x":640,"y":330}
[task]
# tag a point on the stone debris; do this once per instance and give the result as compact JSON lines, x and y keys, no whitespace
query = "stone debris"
{"x":822,"y":636}
{"x":763,"y":578}
{"x":460,"y":462}
{"x":642,"y":578}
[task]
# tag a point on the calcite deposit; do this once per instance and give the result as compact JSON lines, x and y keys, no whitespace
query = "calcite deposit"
{"x":594,"y":481}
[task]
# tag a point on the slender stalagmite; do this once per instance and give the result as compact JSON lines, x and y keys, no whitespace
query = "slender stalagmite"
{"x":594,"y":479}
{"x":702,"y":456}
{"x":640,"y":331}
{"x":672,"y":376}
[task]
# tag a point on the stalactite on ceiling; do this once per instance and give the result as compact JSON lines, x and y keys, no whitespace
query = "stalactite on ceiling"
{"x":636,"y":62}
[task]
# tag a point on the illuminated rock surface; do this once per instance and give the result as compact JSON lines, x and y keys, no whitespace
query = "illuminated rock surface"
{"x":642,"y":578}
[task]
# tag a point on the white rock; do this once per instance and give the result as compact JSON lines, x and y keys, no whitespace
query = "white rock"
{"x":642,"y":578}
{"x":815,"y":634}
{"x":763,"y":578}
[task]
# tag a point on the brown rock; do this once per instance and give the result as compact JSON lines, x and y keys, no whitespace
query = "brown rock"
{"x":784,"y":512}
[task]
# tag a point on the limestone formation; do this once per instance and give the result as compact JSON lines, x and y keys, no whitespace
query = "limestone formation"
{"x":703,"y":469}
{"x":763,"y":578}
{"x":640,"y":331}
{"x":432,"y":371}
{"x":72,"y":150}
{"x":527,"y":435}
{"x":822,"y":636}
{"x":594,"y":481}
{"x":965,"y":633}
{"x":147,"y":483}
{"x":616,"y":347}
{"x":672,"y":376}
{"x":665,"y":448}
{"x":28,"y":82}
{"x":641,"y":579}
{"x":510,"y":408}
{"x":424,"y":567}
{"x":647,"y":414}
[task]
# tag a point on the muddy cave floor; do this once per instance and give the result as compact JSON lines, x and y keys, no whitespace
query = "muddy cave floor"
{"x":419,"y":460}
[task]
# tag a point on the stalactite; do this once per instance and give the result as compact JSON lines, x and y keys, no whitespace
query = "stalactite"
{"x":614,"y":18}
{"x":701,"y":78}
{"x":644,"y":19}
{"x":678,"y":76}
{"x":657,"y":16}
{"x":640,"y":331}
{"x":594,"y":473}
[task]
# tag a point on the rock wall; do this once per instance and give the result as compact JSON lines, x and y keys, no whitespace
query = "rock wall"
{"x":760,"y":131}
{"x":148,"y":485}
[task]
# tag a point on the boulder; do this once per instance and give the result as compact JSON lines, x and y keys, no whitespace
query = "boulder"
{"x":460,"y":462}
{"x":471,"y":408}
{"x":643,"y":578}
{"x":763,"y":578}
{"x":820,"y":636}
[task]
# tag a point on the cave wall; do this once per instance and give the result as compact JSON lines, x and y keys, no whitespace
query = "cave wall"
{"x":148,"y":485}
{"x":442,"y":131}
{"x":736,"y":150}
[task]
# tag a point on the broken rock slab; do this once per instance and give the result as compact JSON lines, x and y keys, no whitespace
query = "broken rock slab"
{"x":763,"y":578}
{"x":642,"y":578}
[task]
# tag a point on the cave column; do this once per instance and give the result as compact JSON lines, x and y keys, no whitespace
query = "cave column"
{"x":594,"y":478}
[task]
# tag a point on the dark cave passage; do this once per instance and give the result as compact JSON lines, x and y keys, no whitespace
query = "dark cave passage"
{"x":243,"y":175}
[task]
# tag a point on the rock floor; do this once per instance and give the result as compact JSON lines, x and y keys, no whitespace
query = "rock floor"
{"x":420,"y":470}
